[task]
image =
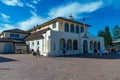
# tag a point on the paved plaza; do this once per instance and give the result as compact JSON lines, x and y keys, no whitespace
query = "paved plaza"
{"x":28,"y":67}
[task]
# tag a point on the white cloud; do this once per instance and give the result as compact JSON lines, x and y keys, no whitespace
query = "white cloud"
{"x":31,"y":22}
{"x":6,"y":27}
{"x":5,"y":18}
{"x":31,"y":6}
{"x":12,"y":2}
{"x":35,"y":1}
{"x":74,"y":9}
{"x":26,"y":24}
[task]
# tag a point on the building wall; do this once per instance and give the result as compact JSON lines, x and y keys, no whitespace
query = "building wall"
{"x":7,"y":35}
{"x":94,"y":40}
{"x":36,"y":45}
{"x":44,"y":44}
{"x":2,"y":46}
{"x":48,"y":26}
{"x":61,"y":25}
{"x":21,"y":48}
{"x":57,"y":36}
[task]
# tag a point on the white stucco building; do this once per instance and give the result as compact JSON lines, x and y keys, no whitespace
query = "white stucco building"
{"x":61,"y":33}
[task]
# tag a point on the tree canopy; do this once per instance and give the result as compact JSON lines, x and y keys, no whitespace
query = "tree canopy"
{"x":101,"y":33}
{"x":116,"y":32}
{"x":107,"y":36}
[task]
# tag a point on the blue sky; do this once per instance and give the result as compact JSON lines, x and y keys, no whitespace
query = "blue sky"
{"x":24,"y":14}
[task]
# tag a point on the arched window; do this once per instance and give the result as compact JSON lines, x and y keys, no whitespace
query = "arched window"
{"x":62,"y":44}
{"x":77,"y":29}
{"x":32,"y":43}
{"x":75,"y":45}
{"x":91,"y":45}
{"x":66,"y":27}
{"x":69,"y":44}
{"x":72,"y":28}
{"x":37,"y":42}
{"x":95,"y":45}
{"x":82,"y":29}
{"x":99,"y":45}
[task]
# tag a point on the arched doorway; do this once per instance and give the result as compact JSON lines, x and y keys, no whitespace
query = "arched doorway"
{"x":69,"y":44}
{"x":75,"y":45}
{"x":91,"y":45}
{"x":85,"y":46}
{"x":62,"y":44}
{"x":99,"y":46}
{"x":8,"y":48}
{"x":95,"y":45}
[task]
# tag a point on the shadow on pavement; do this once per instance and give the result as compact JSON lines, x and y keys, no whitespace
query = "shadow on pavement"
{"x":110,"y":56}
{"x":4,"y":59}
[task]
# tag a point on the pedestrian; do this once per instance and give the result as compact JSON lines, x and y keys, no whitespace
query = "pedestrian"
{"x":32,"y":51}
{"x":38,"y":52}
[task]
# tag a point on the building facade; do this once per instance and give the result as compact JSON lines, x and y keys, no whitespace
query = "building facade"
{"x":12,"y":41}
{"x":60,"y":33}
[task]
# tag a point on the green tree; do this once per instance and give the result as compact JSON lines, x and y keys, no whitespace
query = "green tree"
{"x":107,"y":37}
{"x":101,"y":33}
{"x":116,"y":32}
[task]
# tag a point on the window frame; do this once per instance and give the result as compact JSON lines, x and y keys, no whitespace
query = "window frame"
{"x":54,"y":25}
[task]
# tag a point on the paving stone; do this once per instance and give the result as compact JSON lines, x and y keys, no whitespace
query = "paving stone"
{"x":28,"y":67}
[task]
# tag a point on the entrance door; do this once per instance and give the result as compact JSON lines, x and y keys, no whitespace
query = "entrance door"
{"x":85,"y":46}
{"x":8,"y":48}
